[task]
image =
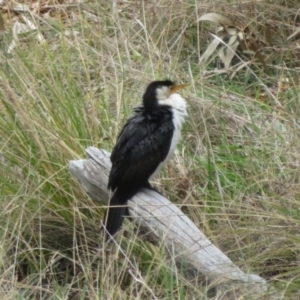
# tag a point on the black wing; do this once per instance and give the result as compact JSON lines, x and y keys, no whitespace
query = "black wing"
{"x":142,"y":145}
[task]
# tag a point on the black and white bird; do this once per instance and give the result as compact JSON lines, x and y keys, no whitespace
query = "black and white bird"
{"x":146,"y":143}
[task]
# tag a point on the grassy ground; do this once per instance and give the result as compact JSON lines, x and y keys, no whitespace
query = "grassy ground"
{"x":238,"y":176}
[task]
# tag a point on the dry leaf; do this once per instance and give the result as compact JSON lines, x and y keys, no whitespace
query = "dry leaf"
{"x":18,"y":28}
{"x":209,"y":51}
{"x":231,"y":37}
{"x":217,"y":19}
{"x":294,"y":33}
{"x":21,"y":28}
{"x":230,"y":51}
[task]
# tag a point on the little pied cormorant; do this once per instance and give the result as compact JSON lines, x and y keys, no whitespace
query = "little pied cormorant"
{"x":145,"y":144}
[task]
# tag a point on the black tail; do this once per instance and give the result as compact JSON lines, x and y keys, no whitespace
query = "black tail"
{"x":117,"y":210}
{"x":115,"y":213}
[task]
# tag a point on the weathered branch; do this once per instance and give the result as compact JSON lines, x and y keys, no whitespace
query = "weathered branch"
{"x":163,"y":219}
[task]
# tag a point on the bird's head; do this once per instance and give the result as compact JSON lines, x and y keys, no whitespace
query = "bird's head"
{"x":159,"y":91}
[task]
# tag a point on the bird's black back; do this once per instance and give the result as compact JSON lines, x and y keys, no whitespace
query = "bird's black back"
{"x":142,"y":145}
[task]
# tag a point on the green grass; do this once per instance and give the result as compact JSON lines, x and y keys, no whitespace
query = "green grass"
{"x":238,"y":173}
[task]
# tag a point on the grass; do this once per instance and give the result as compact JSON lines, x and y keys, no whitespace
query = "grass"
{"x":238,"y":173}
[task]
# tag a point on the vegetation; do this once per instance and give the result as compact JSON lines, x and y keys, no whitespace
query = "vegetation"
{"x":70,"y":78}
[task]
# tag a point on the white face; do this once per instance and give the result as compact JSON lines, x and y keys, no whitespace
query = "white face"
{"x":163,"y":93}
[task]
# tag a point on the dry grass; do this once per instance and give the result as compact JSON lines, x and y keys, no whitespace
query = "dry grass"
{"x":238,"y":167}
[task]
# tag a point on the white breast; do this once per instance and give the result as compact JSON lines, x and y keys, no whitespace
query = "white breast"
{"x":179,"y":113}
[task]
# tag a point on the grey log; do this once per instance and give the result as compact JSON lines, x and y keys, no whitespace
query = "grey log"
{"x":164,"y":221}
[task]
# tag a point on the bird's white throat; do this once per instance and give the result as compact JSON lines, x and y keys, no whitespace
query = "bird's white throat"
{"x":179,"y":107}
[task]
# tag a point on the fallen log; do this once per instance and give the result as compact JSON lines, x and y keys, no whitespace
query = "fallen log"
{"x":164,"y":222}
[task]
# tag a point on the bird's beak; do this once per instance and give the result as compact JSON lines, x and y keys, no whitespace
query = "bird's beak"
{"x":175,"y":88}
